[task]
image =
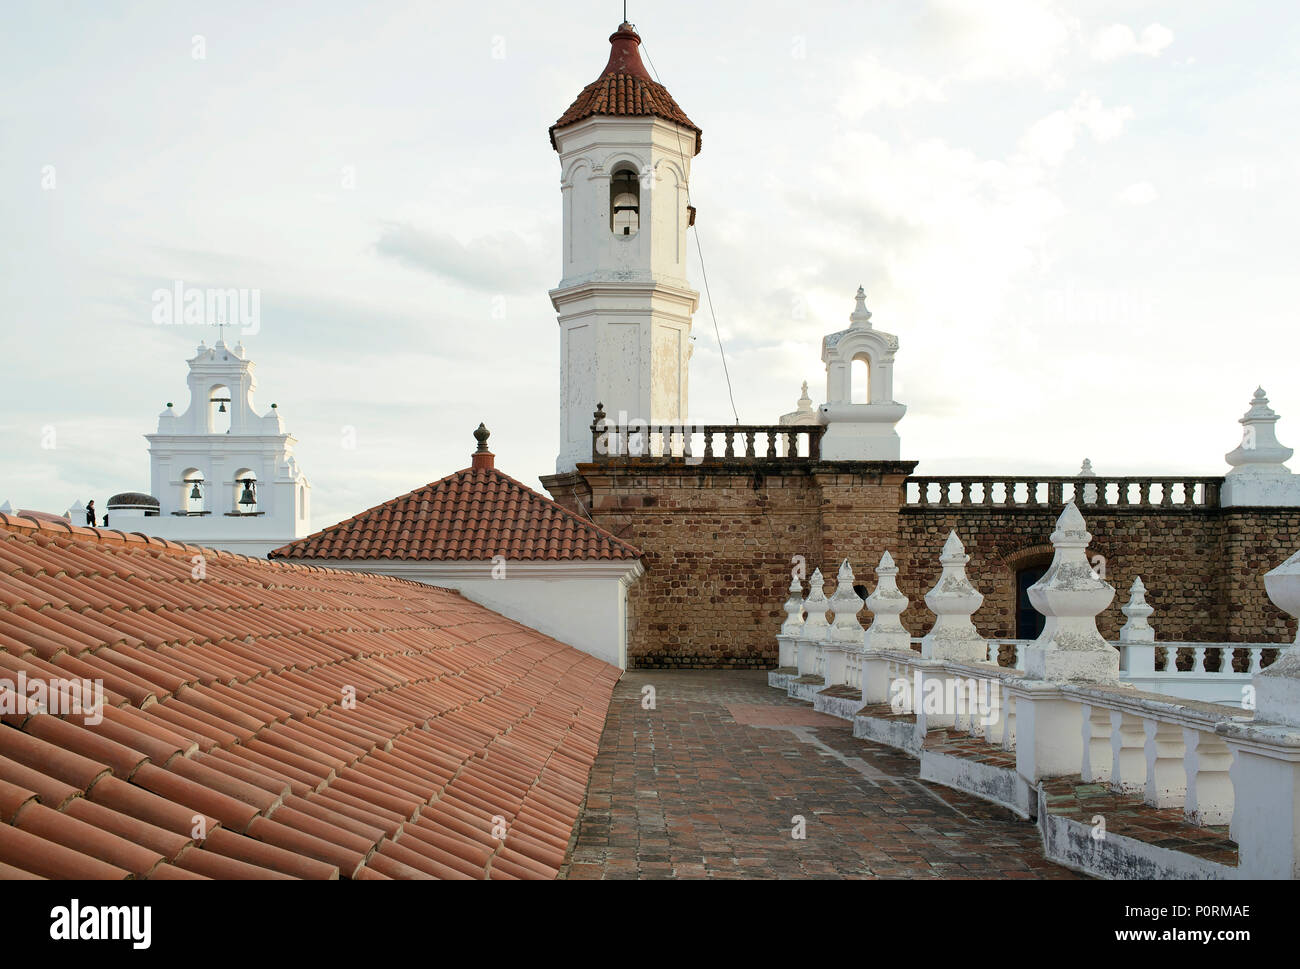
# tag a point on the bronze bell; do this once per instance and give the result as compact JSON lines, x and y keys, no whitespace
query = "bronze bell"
{"x":195,"y":493}
{"x":247,"y":497}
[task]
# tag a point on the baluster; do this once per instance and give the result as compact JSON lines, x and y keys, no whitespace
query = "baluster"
{"x":1198,"y":660}
{"x":731,"y":450}
{"x":1055,"y":493}
{"x":771,"y":444}
{"x":986,"y":498}
{"x":815,"y":443}
{"x":749,"y":444}
{"x":1020,"y":656}
{"x":708,"y":443}
{"x":963,"y":490}
{"x":1256,"y":655}
{"x":1167,"y":493}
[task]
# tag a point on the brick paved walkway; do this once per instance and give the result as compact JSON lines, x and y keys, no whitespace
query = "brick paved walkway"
{"x":706,"y":786}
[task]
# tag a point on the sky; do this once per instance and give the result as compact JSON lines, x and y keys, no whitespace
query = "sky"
{"x":1078,"y":218}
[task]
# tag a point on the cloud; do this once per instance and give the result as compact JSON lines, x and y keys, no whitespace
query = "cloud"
{"x":1050,"y":139}
{"x":1000,"y":39}
{"x":1139,"y":193}
{"x":1119,"y":40}
{"x":500,"y":263}
{"x":872,"y":85}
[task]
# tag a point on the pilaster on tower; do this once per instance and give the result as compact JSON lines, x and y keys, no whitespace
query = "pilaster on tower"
{"x":624,"y":304}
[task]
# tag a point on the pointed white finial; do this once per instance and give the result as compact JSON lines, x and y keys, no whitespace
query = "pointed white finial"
{"x":1259,"y":451}
{"x":8,"y":509}
{"x":816,"y":605}
{"x":861,"y":316}
{"x":1071,"y":594}
{"x":887,"y":604}
{"x":846,"y":605}
{"x":1137,"y":612}
{"x":1086,"y":470}
{"x":805,"y":402}
{"x":953,"y":600}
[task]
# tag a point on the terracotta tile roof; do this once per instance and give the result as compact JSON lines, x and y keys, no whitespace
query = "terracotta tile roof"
{"x":227,"y":707}
{"x":471,"y":515}
{"x":625,"y":88}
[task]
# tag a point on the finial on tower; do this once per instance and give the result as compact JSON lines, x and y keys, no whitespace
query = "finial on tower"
{"x":861,"y":316}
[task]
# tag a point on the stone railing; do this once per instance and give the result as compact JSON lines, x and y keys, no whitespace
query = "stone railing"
{"x":1169,"y":493}
{"x":1074,"y":713}
{"x":698,"y":443}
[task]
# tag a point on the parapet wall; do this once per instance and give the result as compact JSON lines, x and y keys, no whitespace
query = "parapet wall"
{"x":721,"y":537}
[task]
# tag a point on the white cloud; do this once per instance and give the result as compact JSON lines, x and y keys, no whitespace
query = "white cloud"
{"x":1001,"y":38}
{"x":872,"y":85}
{"x":1050,"y":139}
{"x":1119,"y":40}
{"x":1139,"y":193}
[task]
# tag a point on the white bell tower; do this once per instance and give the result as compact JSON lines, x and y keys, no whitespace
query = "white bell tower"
{"x":224,"y":475}
{"x":624,"y":304}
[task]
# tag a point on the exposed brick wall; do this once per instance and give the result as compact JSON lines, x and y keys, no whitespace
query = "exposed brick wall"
{"x":719,"y":539}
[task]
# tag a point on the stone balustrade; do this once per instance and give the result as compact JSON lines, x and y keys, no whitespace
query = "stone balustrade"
{"x":1039,"y":493}
{"x":1072,"y":711}
{"x":700,"y":443}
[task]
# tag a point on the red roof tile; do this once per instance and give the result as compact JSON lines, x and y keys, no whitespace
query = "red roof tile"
{"x":472,"y":515}
{"x":625,"y":89}
{"x":229,"y":754}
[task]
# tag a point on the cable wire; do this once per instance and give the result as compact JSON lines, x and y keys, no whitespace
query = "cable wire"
{"x":699,"y":249}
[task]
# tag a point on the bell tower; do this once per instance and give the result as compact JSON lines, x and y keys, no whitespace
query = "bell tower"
{"x":623,"y":302}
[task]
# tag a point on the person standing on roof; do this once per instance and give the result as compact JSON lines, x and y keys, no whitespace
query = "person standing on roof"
{"x":90,"y":513}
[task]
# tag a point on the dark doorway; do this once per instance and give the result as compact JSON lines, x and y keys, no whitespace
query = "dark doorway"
{"x":1029,"y":621}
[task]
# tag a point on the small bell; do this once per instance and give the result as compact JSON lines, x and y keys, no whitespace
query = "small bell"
{"x":222,"y":408}
{"x":195,"y":493}
{"x":247,"y":497}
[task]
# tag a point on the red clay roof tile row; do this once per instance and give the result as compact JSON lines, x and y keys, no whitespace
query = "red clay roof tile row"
{"x":275,"y":720}
{"x":472,"y":515}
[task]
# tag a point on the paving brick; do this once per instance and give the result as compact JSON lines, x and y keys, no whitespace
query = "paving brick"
{"x":730,"y":762}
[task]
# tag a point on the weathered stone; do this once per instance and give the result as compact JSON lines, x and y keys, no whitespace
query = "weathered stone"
{"x":953,"y":600}
{"x":1071,"y":595}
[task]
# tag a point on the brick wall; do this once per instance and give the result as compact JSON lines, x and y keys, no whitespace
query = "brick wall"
{"x":719,"y":540}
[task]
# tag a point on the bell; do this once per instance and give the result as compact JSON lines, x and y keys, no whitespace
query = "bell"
{"x":194,"y":492}
{"x":222,"y":408}
{"x":247,"y":498}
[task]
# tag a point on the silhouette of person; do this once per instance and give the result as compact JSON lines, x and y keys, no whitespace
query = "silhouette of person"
{"x":90,"y":513}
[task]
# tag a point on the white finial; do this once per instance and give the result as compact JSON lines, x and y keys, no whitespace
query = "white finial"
{"x":1086,"y":470}
{"x":887,"y":604}
{"x":846,"y":605}
{"x":861,"y":316}
{"x":1137,"y":612}
{"x":8,"y":509}
{"x":953,"y":600}
{"x":816,"y":605}
{"x":1259,"y":451}
{"x":805,"y":402}
{"x":1071,"y":594}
